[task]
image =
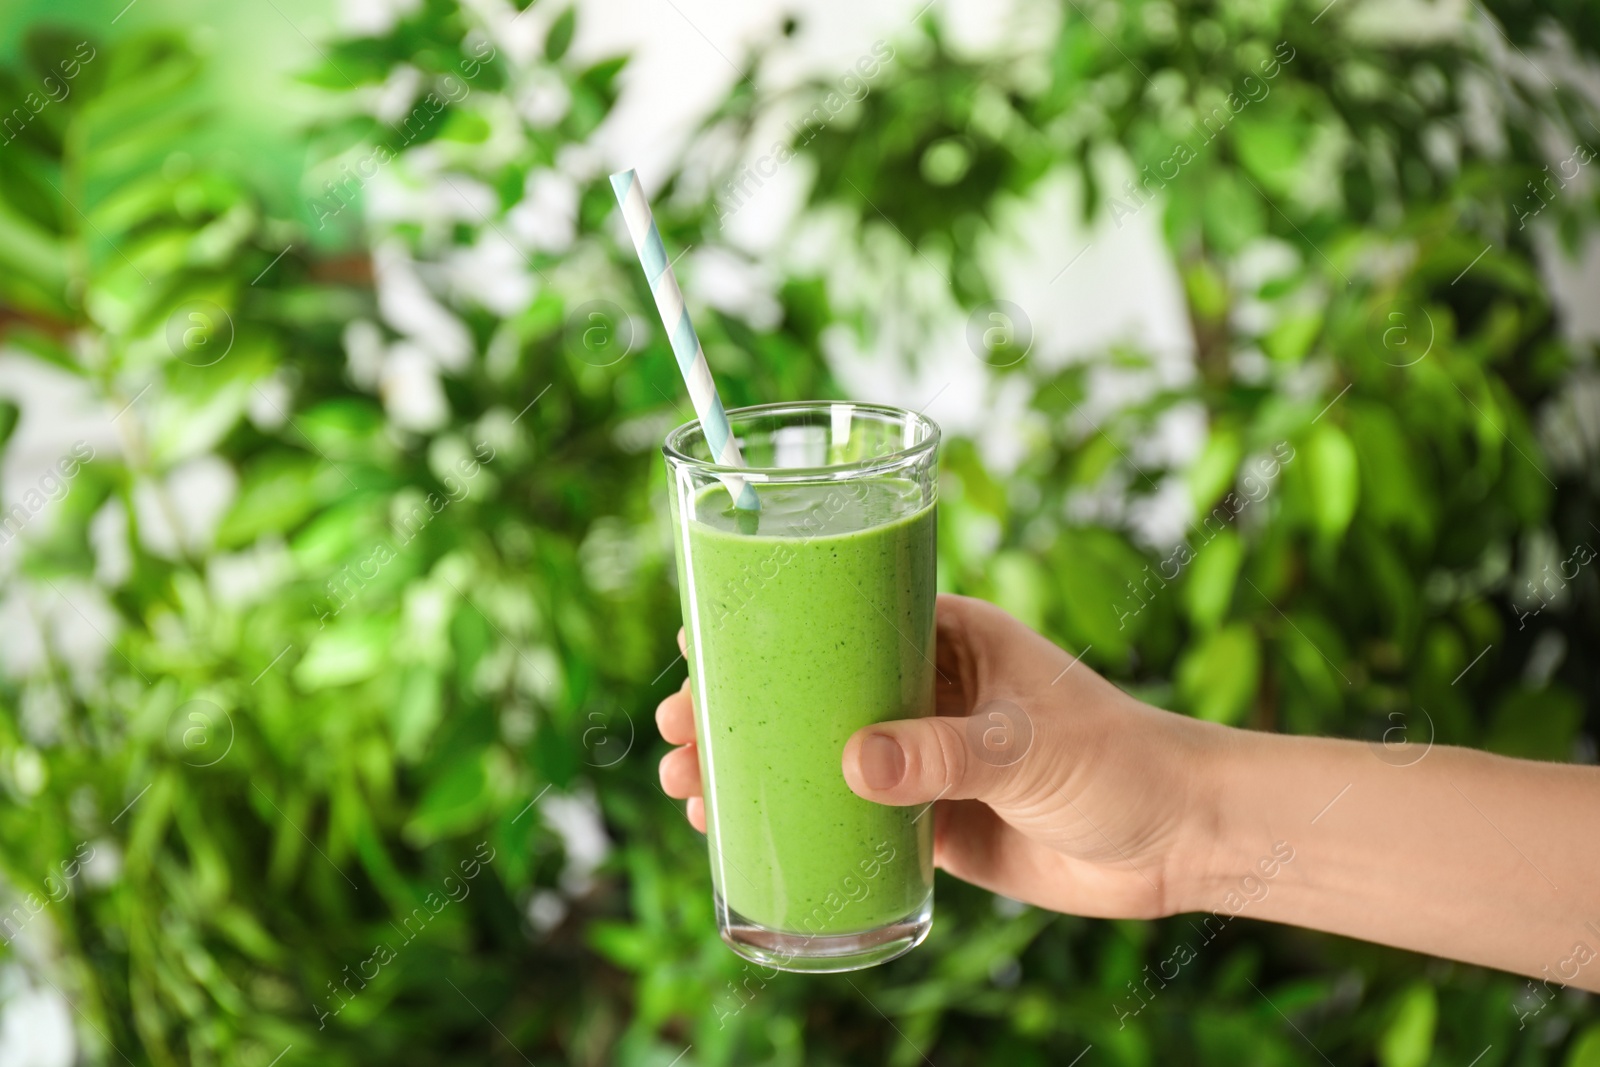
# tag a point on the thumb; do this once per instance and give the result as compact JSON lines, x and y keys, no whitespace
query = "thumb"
{"x":914,"y":761}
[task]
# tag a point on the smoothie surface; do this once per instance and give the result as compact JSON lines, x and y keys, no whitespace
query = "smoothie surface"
{"x":806,"y":511}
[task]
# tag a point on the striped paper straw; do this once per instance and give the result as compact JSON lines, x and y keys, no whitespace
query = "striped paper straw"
{"x":685,"y":343}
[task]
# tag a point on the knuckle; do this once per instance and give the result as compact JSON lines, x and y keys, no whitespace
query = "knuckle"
{"x":949,"y":751}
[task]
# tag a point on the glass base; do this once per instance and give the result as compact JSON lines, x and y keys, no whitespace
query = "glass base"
{"x":823,"y":954}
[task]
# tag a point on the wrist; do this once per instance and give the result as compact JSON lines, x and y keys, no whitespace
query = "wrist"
{"x":1215,"y":847}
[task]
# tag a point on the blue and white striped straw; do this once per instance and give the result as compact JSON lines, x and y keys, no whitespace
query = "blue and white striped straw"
{"x":685,"y":343}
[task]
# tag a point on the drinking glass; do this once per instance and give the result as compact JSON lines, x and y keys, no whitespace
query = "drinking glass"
{"x":807,"y":620}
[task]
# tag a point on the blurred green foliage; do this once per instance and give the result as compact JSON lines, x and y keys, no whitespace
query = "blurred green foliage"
{"x":437,"y":589}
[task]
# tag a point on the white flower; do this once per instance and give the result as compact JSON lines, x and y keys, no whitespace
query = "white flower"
{"x":373,"y":18}
{"x":82,"y":625}
{"x":398,"y":91}
{"x":492,"y":273}
{"x":194,"y":496}
{"x":42,"y":714}
{"x":410,"y":308}
{"x":104,"y":864}
{"x":735,"y":285}
{"x":363,"y":347}
{"x":546,"y":216}
{"x":545,"y":99}
{"x":108,"y":537}
{"x":238,"y":579}
{"x":22,"y":653}
{"x":268,"y":403}
{"x":411,"y":392}
{"x":577,"y":820}
{"x":546,"y":909}
{"x":36,"y":1030}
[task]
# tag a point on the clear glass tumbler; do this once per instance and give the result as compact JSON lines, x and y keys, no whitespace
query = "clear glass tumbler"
{"x":807,"y":620}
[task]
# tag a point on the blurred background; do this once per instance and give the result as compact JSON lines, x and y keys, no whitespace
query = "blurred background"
{"x":336,"y":590}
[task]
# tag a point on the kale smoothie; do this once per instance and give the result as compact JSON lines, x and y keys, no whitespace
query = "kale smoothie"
{"x":806,"y":621}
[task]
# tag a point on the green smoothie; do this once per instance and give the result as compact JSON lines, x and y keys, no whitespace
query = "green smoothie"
{"x":806,"y":622}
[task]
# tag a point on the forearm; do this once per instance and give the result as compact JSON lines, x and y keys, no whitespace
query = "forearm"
{"x":1461,"y":854}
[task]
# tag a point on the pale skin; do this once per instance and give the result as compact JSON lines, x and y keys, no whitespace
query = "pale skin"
{"x":1116,"y":809}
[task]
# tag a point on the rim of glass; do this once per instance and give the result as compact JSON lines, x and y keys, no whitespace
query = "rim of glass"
{"x":672,"y":447}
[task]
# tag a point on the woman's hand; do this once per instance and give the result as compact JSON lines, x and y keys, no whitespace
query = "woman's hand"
{"x":1054,"y":787}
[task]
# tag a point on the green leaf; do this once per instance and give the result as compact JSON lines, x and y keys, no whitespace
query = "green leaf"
{"x":1408,"y":1039}
{"x":275,"y":498}
{"x":1097,"y":574}
{"x":1334,"y":479}
{"x":1271,"y":143}
{"x":1217,"y":678}
{"x":629,"y":947}
{"x":1537,"y":724}
{"x":345,"y":652}
{"x":199,"y":409}
{"x":417,"y":711}
{"x":9,"y":413}
{"x":560,"y":38}
{"x":463,"y":797}
{"x":1021,"y":586}
{"x":1214,"y":471}
{"x":1212,"y":576}
{"x":1233,"y":213}
{"x":467,"y":127}
{"x":1585,"y":1048}
{"x":1392,"y":494}
{"x":1291,"y":338}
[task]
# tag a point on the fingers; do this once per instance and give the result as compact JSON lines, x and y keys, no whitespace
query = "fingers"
{"x":675,"y":717}
{"x":914,"y":761}
{"x":680,"y":768}
{"x":680,"y":773}
{"x":973,"y":843}
{"x":683,"y":642}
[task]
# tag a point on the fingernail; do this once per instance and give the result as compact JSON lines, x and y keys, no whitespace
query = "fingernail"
{"x":883,"y":762}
